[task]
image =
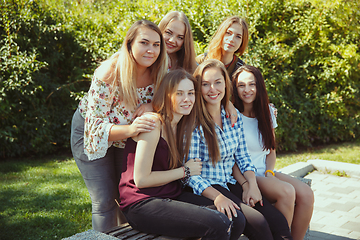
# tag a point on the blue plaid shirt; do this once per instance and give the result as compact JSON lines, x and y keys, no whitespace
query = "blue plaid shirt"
{"x":233,"y":149}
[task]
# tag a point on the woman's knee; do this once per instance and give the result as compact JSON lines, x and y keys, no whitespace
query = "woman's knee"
{"x":287,"y":192}
{"x":102,"y":205}
{"x":239,"y":221}
{"x":305,"y":196}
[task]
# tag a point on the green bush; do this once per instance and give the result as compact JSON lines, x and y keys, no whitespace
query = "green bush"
{"x":308,"y":53}
{"x":41,"y":63}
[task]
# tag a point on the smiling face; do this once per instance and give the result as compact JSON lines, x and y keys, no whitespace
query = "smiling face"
{"x":213,"y":86}
{"x":233,"y":38}
{"x":174,"y":35}
{"x":246,"y":87}
{"x":183,"y":98}
{"x":146,"y":47}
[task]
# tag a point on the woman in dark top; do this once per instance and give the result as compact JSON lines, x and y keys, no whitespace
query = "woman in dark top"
{"x":151,"y":194}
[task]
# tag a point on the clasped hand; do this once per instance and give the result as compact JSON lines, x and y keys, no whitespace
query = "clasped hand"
{"x":195,"y":166}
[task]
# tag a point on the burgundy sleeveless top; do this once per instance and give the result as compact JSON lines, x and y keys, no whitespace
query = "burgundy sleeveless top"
{"x":129,"y":193}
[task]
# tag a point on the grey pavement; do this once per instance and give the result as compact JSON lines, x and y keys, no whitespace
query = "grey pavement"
{"x":336,"y":213}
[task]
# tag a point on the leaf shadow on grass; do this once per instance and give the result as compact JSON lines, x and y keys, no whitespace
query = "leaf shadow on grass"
{"x":41,"y":208}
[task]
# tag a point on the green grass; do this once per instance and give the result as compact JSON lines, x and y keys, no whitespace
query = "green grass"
{"x":344,"y":152}
{"x":42,"y":199}
{"x":47,"y":198}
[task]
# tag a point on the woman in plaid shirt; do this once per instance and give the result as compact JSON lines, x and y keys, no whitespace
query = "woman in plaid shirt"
{"x":227,"y":170}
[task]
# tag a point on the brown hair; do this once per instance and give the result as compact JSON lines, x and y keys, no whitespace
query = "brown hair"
{"x":260,"y":105}
{"x":205,"y":119}
{"x":215,"y":45}
{"x":179,"y":145}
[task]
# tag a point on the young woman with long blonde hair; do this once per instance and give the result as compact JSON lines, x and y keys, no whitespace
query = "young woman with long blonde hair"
{"x":105,"y":116}
{"x":178,"y":37}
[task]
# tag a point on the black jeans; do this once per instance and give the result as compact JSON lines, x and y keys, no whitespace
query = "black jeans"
{"x":262,"y":222}
{"x":180,"y":219}
{"x":256,"y":228}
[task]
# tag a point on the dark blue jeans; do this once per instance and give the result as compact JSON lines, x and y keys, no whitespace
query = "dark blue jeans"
{"x":181,"y":219}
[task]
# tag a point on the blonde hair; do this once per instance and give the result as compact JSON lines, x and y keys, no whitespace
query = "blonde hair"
{"x":122,"y":65}
{"x":179,"y":145}
{"x":204,"y":117}
{"x":186,"y":55}
{"x":215,"y":45}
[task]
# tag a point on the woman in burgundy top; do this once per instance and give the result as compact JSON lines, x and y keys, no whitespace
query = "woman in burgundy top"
{"x":151,"y":195}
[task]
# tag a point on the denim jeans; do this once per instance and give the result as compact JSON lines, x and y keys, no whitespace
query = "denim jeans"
{"x":101,"y":177}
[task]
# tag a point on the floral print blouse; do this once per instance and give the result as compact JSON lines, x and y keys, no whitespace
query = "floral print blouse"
{"x":101,"y":112}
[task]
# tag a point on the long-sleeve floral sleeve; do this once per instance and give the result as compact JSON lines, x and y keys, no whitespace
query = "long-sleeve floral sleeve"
{"x":101,"y":110}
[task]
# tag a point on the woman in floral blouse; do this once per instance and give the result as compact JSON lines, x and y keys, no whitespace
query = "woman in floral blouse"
{"x":104,"y":119}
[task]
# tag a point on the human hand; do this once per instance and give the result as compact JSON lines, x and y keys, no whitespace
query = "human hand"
{"x":275,"y":109}
{"x":251,"y":195}
{"x":145,"y":123}
{"x":226,"y":206}
{"x":231,"y":111}
{"x":143,"y":108}
{"x":195,"y":166}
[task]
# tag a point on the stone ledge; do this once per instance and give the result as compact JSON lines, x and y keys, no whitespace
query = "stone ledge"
{"x":324,"y":165}
{"x":91,"y":235}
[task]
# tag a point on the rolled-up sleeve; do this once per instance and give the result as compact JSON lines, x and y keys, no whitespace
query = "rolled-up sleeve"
{"x":198,"y":183}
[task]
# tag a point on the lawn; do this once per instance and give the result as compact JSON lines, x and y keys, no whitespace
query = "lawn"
{"x":47,"y":199}
{"x":344,"y":152}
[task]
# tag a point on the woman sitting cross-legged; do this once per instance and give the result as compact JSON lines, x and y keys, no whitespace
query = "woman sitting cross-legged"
{"x":150,"y":189}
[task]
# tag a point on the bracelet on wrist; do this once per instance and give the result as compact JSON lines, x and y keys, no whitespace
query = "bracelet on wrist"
{"x":244,"y":182}
{"x":270,"y":171}
{"x":184,"y":171}
{"x":186,"y":178}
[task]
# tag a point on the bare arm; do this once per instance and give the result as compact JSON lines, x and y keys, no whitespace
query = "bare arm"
{"x":271,"y":160}
{"x":144,"y":157}
{"x":251,"y":192}
{"x":232,"y":113}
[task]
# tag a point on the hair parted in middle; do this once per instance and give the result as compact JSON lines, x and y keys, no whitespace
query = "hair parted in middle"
{"x":186,"y":55}
{"x":260,"y":104}
{"x":122,"y":65}
{"x":179,"y":145}
{"x":215,"y":45}
{"x":204,"y":117}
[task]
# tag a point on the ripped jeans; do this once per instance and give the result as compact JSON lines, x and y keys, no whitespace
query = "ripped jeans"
{"x":181,"y":219}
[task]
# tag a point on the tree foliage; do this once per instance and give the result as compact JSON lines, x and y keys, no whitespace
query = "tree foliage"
{"x":308,"y":53}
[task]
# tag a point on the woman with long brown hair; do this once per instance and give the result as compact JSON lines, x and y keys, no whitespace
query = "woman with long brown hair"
{"x":150,"y":191}
{"x":228,"y":176}
{"x":290,"y":196}
{"x":228,"y":44}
